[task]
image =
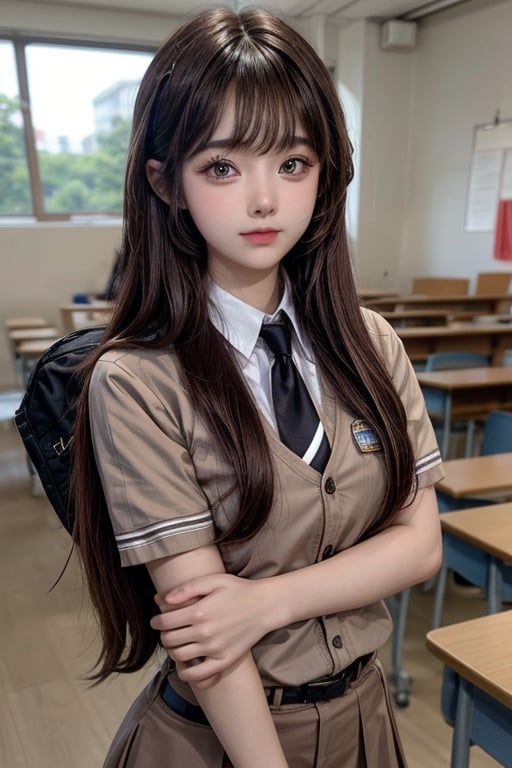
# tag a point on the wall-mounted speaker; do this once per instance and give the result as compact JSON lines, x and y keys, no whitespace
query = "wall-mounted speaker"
{"x":397,"y":35}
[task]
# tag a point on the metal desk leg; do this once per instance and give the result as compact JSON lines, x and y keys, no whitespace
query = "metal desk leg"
{"x":439,"y":596}
{"x":462,"y":729}
{"x":446,"y":425}
{"x":470,"y":439}
{"x":494,"y":586}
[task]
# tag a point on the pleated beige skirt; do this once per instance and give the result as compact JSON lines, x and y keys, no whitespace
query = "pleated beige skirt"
{"x":357,"y":730}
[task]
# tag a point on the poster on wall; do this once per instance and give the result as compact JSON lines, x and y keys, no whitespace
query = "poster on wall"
{"x":489,"y":202}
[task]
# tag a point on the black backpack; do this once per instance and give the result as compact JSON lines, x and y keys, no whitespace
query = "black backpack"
{"x":45,"y":416}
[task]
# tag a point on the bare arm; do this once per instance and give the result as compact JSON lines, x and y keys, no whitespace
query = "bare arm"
{"x":234,"y":702}
{"x":233,"y":613}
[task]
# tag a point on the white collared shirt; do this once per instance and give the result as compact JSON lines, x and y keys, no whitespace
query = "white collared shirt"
{"x":240,"y":324}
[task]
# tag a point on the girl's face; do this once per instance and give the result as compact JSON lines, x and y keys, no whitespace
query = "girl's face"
{"x":251,"y":209}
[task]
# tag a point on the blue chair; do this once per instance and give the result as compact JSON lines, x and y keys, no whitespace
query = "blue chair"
{"x":460,"y":556}
{"x":436,"y":400}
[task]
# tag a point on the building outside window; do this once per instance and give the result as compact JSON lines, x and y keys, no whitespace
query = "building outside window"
{"x":65,"y":120}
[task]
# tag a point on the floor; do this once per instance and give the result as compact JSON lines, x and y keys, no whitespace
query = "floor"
{"x":51,"y":718}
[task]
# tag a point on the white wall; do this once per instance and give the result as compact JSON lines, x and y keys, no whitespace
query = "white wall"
{"x":463,"y":74}
{"x":382,"y":160}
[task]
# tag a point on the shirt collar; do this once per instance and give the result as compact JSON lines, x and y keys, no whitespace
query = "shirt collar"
{"x":240,"y":323}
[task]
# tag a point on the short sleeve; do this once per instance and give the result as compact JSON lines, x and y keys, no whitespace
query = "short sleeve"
{"x":429,"y":468}
{"x":156,"y":505}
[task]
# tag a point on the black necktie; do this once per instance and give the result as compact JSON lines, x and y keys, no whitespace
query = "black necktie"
{"x":298,"y":422}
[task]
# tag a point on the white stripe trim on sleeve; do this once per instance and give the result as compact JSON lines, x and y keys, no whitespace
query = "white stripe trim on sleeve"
{"x":148,"y":534}
{"x":431,"y":460}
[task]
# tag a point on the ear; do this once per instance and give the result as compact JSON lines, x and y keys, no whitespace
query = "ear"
{"x":156,"y":181}
{"x":158,"y":184}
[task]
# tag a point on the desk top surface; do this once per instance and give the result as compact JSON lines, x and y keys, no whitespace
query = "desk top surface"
{"x":454,"y":298}
{"x":33,"y":334}
{"x":87,"y":307}
{"x":467,"y":378}
{"x":479,"y":651}
{"x":489,"y":528}
{"x":477,"y":475}
{"x":455,"y":329}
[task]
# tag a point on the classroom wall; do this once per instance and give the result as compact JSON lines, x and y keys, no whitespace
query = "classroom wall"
{"x":411,"y":116}
{"x":462,"y":76}
{"x":418,"y":114}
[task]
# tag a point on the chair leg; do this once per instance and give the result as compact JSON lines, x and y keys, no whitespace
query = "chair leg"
{"x":439,"y":596}
{"x":401,"y":679}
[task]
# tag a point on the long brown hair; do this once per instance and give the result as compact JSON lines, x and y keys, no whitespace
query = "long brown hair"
{"x":278,"y":81}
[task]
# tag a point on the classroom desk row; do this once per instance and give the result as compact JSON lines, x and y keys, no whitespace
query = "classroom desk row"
{"x":491,"y":304}
{"x":477,"y":695}
{"x":74,"y":316}
{"x":471,"y":394}
{"x":492,"y":339}
{"x":477,"y":542}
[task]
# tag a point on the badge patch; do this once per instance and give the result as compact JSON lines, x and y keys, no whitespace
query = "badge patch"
{"x":366,"y":440}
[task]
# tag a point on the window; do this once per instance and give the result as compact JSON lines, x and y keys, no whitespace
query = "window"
{"x":15,"y":185}
{"x":63,"y":155}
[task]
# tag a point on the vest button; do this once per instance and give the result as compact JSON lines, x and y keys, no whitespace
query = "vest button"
{"x":330,"y":485}
{"x":337,"y":641}
{"x":327,"y":552}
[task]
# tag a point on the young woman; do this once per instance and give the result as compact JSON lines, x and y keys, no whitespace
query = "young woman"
{"x":274,"y":558}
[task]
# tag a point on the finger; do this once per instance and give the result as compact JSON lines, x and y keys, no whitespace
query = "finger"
{"x":171,"y":620}
{"x":191,"y":590}
{"x":162,"y":605}
{"x":178,"y":638}
{"x":191,"y":654}
{"x":206,"y":670}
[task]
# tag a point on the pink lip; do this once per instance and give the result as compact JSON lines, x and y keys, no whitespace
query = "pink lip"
{"x":261,"y":236}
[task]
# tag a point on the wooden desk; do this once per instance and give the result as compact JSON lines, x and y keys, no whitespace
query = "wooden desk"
{"x":488,"y":527}
{"x":33,"y":334}
{"x":471,"y":393}
{"x":76,"y":316}
{"x":477,"y":475}
{"x":29,"y":352}
{"x":477,"y":543}
{"x":416,"y":317}
{"x":492,"y":339}
{"x":14,"y":323}
{"x":374,"y":293}
{"x":478,"y":652}
{"x":490,"y":304}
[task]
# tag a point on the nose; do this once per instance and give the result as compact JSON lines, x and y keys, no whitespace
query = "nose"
{"x":262,"y":199}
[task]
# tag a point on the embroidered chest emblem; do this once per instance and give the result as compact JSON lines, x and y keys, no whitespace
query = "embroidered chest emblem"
{"x":365,"y":439}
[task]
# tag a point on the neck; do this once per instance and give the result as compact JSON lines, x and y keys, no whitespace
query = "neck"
{"x":263,"y":292}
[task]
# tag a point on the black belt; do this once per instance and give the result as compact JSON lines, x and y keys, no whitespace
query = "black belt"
{"x":308,"y":693}
{"x":181,"y":706}
{"x":322,"y":690}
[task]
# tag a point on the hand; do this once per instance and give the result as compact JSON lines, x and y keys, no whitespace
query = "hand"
{"x":209,"y":623}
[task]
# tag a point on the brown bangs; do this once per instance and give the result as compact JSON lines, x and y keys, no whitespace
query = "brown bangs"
{"x":271,"y":107}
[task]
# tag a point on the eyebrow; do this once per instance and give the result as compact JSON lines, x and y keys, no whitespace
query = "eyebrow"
{"x":228,"y":143}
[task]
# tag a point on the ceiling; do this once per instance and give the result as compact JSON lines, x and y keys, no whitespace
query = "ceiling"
{"x":344,"y":10}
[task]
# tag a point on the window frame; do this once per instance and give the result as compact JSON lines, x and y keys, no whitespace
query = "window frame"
{"x":20,"y":43}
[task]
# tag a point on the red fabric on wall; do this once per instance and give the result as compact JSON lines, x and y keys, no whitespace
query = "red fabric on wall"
{"x":503,"y":236}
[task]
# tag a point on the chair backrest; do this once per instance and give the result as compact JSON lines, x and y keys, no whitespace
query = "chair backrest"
{"x":497,"y":436}
{"x":444,"y":361}
{"x":440,"y":286}
{"x":435,"y":399}
{"x":493,"y":282}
